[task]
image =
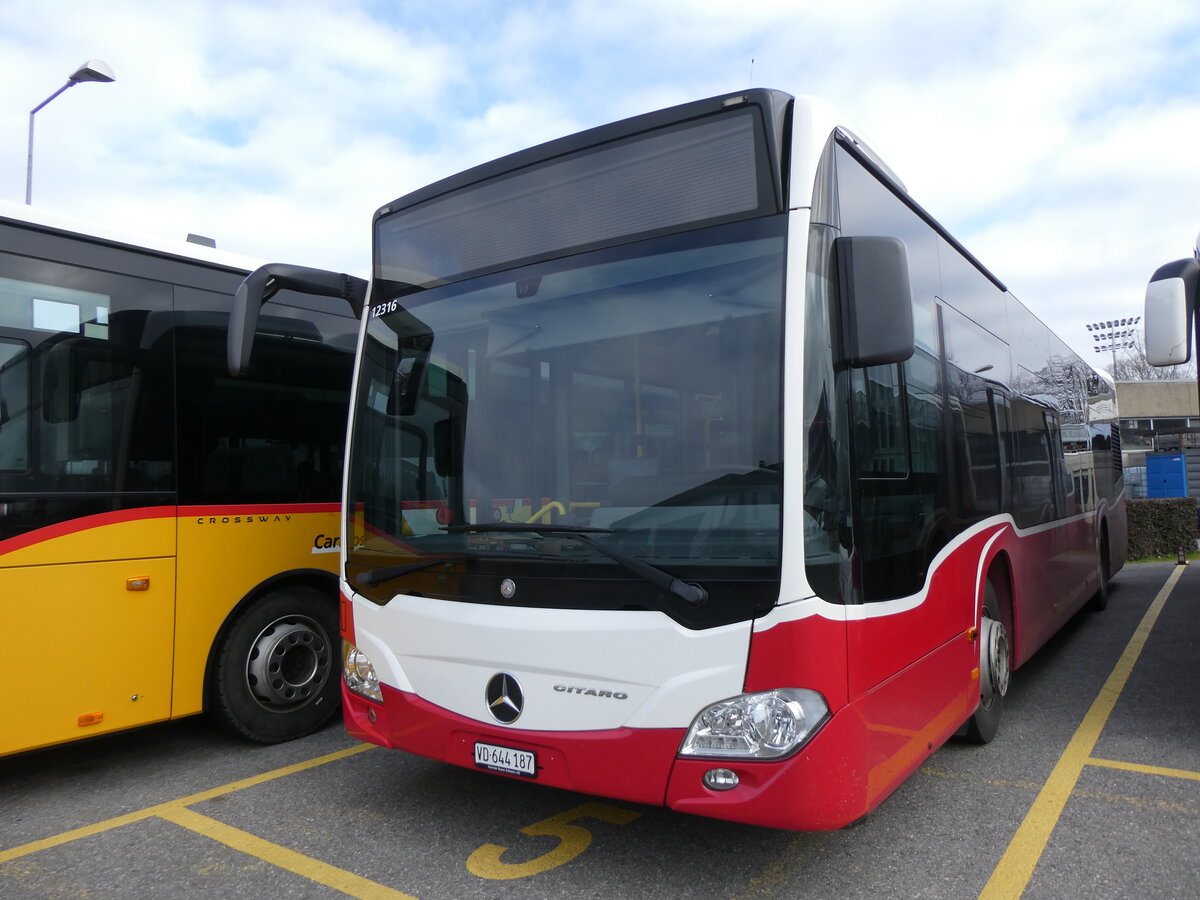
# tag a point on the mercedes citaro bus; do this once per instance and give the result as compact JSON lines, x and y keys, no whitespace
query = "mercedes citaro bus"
{"x":693,"y":463}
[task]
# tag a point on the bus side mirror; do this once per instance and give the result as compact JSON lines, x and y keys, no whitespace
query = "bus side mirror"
{"x":61,"y":384}
{"x":264,"y":283}
{"x":406,"y":386}
{"x":67,"y":366}
{"x":1170,"y":308}
{"x":875,"y":300}
{"x":449,"y":434}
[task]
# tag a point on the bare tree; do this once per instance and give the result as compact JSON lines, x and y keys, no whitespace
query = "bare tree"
{"x":1132,"y":365}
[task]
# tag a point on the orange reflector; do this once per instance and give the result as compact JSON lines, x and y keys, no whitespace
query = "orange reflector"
{"x":92,"y":718}
{"x":138,"y":584}
{"x":975,"y":674}
{"x":972,"y":634}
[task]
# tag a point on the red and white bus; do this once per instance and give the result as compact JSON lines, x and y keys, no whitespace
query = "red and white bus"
{"x":693,"y":463}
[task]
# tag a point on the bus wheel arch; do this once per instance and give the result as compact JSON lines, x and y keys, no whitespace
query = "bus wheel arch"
{"x":995,"y":653}
{"x":273,"y":672}
{"x":936,"y":541}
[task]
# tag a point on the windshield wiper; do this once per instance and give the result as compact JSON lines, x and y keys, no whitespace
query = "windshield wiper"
{"x":690,"y":593}
{"x":372,"y":577}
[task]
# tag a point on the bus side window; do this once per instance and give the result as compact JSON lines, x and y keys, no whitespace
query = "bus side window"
{"x":1033,"y":501}
{"x":14,"y":406}
{"x":880,"y":433}
{"x":1064,"y":483}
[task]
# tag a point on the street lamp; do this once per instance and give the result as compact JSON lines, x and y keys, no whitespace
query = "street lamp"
{"x":92,"y":70}
{"x":1114,"y":335}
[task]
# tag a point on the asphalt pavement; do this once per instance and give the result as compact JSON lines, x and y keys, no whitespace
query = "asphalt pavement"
{"x":1092,"y":789}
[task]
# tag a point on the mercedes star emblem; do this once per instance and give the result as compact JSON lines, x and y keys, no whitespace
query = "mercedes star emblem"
{"x":504,"y":698}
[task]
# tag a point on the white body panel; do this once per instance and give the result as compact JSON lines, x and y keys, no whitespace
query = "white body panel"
{"x":445,"y":653}
{"x":793,"y":579}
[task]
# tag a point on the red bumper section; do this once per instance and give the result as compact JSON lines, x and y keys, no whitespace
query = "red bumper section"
{"x":820,"y":788}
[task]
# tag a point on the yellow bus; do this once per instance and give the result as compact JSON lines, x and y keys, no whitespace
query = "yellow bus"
{"x":169,"y":535}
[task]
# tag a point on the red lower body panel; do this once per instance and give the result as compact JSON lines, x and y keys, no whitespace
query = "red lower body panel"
{"x":630,"y":764}
{"x":822,"y":787}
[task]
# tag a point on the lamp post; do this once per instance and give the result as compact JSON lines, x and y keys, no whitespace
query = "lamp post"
{"x":1114,"y":335}
{"x":92,"y":70}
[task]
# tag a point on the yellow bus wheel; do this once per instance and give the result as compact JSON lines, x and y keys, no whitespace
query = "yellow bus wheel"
{"x":275,"y":674}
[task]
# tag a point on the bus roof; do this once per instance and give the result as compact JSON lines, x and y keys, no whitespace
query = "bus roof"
{"x":51,"y":221}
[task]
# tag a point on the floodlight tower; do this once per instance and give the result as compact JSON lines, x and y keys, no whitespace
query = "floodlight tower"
{"x":1114,"y":335}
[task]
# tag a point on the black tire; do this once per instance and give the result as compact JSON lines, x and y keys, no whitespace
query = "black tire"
{"x":1099,"y":601}
{"x":275,"y":674}
{"x":993,"y":670}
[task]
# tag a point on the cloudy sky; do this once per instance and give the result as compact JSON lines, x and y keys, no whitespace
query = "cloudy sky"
{"x":1058,"y":139}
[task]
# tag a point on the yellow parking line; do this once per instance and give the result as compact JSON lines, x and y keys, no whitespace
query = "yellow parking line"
{"x":117,"y":821}
{"x":1011,"y":876}
{"x":282,"y":857}
{"x":1145,"y":770}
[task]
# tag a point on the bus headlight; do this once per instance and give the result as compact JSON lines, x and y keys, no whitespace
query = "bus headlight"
{"x":766,"y":725}
{"x":359,"y":674}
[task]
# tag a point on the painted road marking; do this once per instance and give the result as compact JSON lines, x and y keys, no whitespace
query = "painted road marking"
{"x":1011,"y":876}
{"x":1144,"y":770}
{"x":176,"y":812}
{"x":282,"y":857}
{"x":75,"y":834}
{"x":487,"y":861}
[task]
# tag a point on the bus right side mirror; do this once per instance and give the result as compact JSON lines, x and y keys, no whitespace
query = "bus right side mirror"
{"x":1170,"y":309}
{"x":875,"y":299}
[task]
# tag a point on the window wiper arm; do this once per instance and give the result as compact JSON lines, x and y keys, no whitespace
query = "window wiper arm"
{"x":690,"y":593}
{"x":372,"y":577}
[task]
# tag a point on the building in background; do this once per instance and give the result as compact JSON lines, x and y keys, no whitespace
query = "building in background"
{"x":1159,"y":417}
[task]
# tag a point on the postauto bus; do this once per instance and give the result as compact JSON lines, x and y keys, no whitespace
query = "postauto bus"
{"x":169,"y":535}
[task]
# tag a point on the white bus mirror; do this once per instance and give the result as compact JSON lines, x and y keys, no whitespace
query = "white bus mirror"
{"x":1170,"y":309}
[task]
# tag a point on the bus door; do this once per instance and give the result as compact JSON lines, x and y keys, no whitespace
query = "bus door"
{"x":87,"y":526}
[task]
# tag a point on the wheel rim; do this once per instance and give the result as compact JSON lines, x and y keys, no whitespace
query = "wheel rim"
{"x":993,"y":660}
{"x":288,"y":664}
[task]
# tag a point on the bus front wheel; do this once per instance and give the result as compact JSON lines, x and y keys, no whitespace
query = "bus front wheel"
{"x":993,"y":669}
{"x":274,"y":676}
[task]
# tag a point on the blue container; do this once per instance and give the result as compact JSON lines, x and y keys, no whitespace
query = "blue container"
{"x":1166,"y":475}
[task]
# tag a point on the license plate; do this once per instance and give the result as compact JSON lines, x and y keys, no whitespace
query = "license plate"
{"x":505,"y":759}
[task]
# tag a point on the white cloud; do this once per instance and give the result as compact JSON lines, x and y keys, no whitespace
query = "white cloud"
{"x":1054,"y":138}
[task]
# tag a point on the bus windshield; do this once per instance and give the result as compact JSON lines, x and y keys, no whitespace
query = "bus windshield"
{"x":632,"y":391}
